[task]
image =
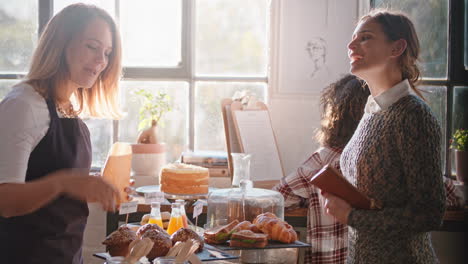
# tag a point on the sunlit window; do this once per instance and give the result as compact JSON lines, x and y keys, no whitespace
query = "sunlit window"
{"x":198,"y":52}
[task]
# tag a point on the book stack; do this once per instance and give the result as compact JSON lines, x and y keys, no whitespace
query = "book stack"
{"x":215,"y":161}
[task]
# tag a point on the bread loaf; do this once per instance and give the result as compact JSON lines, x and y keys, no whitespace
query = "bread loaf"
{"x":275,"y":228}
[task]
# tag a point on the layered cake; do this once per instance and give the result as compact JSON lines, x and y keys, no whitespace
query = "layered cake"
{"x":180,"y":178}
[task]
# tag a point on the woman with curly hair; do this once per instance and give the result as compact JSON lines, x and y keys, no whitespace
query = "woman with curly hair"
{"x":342,"y":105}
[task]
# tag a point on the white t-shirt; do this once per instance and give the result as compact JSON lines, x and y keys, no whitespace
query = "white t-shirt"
{"x":24,"y":119}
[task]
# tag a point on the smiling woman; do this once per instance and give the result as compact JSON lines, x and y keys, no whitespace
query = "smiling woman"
{"x":46,"y":148}
{"x":394,"y":154}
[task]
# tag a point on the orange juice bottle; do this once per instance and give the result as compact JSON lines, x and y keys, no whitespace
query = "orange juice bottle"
{"x":175,"y":223}
{"x":182,"y":212}
{"x":155,"y":215}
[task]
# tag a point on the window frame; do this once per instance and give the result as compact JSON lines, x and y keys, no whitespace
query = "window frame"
{"x":457,"y":73}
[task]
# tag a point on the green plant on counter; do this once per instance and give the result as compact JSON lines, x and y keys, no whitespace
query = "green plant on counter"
{"x":459,"y":140}
{"x":154,"y":106}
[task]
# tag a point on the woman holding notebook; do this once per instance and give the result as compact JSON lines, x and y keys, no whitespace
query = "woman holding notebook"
{"x":394,"y":154}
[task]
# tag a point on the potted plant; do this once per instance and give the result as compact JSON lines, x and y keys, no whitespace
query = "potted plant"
{"x":459,"y":142}
{"x":149,"y":154}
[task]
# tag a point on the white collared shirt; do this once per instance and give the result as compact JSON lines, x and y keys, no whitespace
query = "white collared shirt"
{"x":384,"y":100}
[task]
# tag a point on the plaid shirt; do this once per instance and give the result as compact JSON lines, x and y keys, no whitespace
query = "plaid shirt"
{"x":327,"y":237}
{"x":454,"y":197}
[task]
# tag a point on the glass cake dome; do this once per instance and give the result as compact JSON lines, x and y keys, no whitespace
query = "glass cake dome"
{"x":242,"y":203}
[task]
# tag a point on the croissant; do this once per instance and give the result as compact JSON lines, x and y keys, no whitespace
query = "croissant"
{"x":275,"y":228}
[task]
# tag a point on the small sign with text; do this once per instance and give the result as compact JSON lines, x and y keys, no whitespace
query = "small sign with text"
{"x":197,"y":209}
{"x":154,"y":197}
{"x":127,"y":208}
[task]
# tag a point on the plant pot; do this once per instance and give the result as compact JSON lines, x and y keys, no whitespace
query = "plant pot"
{"x":147,"y":161}
{"x":461,"y":163}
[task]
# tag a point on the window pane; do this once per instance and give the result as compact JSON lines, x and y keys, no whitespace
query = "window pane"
{"x":231,"y":37}
{"x":209,"y":130}
{"x":173,"y":128}
{"x":101,"y":139}
{"x":431,"y":21}
{"x":460,"y":108}
{"x":151,"y":32}
{"x":107,"y":5}
{"x":436,"y":98}
{"x":5,"y":87}
{"x":459,"y":114}
{"x":18,"y":34}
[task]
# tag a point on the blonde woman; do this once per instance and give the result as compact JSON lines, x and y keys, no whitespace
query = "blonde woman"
{"x":394,"y":154}
{"x":45,"y":153}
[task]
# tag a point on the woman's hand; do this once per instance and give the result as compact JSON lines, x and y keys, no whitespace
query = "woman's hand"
{"x":82,"y":186}
{"x":129,"y":189}
{"x":337,"y":207}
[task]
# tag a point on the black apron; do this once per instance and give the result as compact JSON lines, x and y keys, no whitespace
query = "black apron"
{"x":54,"y":233}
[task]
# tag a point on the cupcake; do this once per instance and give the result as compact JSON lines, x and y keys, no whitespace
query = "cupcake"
{"x":185,"y":234}
{"x":118,"y":242}
{"x":162,"y":243}
{"x":144,"y":228}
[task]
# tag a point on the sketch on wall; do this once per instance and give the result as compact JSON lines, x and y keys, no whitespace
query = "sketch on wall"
{"x":312,"y":49}
{"x":317,"y":52}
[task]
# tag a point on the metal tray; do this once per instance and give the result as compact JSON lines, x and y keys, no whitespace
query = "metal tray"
{"x":209,"y":253}
{"x":271,"y":245}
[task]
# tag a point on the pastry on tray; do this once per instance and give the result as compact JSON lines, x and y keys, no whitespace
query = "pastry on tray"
{"x":144,"y":228}
{"x":118,"y":242}
{"x":275,"y":228}
{"x":185,"y":234}
{"x":162,"y":243}
{"x":248,"y":239}
{"x":220,"y":234}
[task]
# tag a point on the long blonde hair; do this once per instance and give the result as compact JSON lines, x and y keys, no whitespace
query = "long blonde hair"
{"x":49,"y":68}
{"x":395,"y":26}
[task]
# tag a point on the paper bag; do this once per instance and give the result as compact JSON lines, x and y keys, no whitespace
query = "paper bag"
{"x":116,"y":170}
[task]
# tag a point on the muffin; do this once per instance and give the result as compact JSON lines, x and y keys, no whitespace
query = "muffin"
{"x":185,"y":234}
{"x":143,"y":229}
{"x":118,"y":242}
{"x":162,"y":243}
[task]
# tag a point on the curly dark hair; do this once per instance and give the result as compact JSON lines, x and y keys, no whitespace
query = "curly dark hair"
{"x":342,"y":104}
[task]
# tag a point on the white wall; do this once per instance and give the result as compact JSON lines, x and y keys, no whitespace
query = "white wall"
{"x":295,"y":93}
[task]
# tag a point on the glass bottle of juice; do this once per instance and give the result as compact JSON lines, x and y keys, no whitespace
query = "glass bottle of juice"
{"x":155,"y":215}
{"x":175,"y":223}
{"x":182,"y":212}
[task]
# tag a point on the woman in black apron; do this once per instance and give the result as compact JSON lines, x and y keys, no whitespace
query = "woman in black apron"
{"x":43,"y":210}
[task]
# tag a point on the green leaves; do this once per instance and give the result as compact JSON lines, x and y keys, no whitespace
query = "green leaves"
{"x":460,"y":140}
{"x":154,"y":106}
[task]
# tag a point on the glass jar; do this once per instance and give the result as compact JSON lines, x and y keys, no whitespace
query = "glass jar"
{"x":245,"y":202}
